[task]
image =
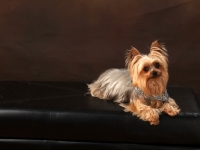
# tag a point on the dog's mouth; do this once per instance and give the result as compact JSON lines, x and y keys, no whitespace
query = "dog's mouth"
{"x":151,"y":78}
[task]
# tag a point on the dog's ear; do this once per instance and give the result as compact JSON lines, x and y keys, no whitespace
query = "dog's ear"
{"x":156,"y":44}
{"x":132,"y":54}
{"x":158,"y":50}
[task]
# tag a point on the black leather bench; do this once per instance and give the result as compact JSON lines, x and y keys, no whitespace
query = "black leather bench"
{"x":60,"y":115}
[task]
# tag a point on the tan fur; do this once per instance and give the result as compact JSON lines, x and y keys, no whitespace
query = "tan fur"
{"x":171,"y":108}
{"x":147,"y":72}
{"x":144,"y":112}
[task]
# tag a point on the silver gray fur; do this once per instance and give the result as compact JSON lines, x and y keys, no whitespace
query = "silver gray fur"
{"x":113,"y":84}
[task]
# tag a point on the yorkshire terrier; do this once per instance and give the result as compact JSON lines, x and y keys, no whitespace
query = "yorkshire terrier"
{"x":143,"y":84}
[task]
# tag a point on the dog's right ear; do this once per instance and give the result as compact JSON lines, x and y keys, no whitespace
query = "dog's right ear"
{"x":132,"y":55}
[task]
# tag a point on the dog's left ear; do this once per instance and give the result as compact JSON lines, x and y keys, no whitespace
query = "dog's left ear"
{"x":158,"y":50}
{"x":132,"y":55}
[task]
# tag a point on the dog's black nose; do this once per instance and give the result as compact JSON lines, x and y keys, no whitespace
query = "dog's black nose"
{"x":154,"y":73}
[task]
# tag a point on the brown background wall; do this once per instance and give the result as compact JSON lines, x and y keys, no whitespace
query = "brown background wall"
{"x":75,"y":40}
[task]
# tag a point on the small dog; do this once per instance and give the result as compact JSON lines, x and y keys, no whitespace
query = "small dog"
{"x":143,"y":84}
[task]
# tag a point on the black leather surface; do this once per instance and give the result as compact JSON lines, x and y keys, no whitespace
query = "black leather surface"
{"x":24,"y":144}
{"x":62,"y":111}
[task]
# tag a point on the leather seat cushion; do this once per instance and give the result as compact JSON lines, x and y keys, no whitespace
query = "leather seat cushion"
{"x":63,"y":111}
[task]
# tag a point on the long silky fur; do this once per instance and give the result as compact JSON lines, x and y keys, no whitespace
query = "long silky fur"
{"x":113,"y":84}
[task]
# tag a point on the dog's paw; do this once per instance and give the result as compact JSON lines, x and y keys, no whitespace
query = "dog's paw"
{"x":173,"y":112}
{"x":155,"y":122}
{"x":171,"y":108}
{"x":153,"y":118}
{"x":148,"y":114}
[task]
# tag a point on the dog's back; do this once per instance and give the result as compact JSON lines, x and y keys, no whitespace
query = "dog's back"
{"x":113,"y":84}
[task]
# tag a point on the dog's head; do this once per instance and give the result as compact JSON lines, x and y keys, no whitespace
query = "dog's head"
{"x":149,"y":72}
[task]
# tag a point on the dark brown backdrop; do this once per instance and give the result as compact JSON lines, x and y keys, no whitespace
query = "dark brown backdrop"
{"x":75,"y":40}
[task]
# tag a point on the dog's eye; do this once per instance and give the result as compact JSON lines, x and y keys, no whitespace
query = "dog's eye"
{"x":146,"y":69}
{"x":157,"y":65}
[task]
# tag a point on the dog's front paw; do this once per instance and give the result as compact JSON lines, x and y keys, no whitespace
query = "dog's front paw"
{"x":144,"y":113}
{"x":155,"y":122}
{"x":173,"y":111}
{"x":151,"y":115}
{"x":171,"y":108}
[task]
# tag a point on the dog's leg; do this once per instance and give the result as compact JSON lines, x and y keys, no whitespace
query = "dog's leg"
{"x":143,"y":111}
{"x":171,"y":108}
